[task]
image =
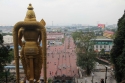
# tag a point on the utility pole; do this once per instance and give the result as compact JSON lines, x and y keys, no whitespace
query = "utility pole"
{"x":105,"y":74}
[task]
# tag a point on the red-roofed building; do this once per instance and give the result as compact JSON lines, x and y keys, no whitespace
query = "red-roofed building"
{"x":108,"y":34}
{"x":53,"y":36}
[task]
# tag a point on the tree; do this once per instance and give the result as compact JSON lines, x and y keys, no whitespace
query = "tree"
{"x":113,"y":36}
{"x":102,"y":52}
{"x":118,"y":51}
{"x":75,"y":35}
{"x":6,"y":55}
{"x":85,"y":50}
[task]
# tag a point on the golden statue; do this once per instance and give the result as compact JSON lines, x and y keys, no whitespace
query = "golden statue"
{"x":32,"y":54}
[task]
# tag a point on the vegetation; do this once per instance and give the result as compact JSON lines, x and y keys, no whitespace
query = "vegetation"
{"x":118,"y":51}
{"x":6,"y":55}
{"x":85,"y":50}
{"x":75,"y":36}
{"x":113,"y":36}
{"x":11,"y":78}
{"x":49,"y":80}
{"x":101,"y":53}
{"x":62,"y":40}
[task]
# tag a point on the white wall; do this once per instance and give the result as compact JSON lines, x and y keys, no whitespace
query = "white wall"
{"x":8,"y":39}
{"x":107,"y":47}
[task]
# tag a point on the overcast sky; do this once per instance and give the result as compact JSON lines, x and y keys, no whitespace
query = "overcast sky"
{"x":63,"y":12}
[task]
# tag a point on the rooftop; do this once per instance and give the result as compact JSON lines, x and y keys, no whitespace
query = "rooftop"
{"x":110,"y":32}
{"x":102,"y":38}
{"x":54,"y":33}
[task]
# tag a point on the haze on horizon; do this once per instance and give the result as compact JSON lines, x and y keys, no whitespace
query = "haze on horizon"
{"x":63,"y":12}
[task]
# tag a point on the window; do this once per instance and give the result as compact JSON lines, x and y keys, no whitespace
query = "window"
{"x":106,"y":43}
{"x":104,"y":46}
{"x":100,"y":46}
{"x":96,"y":46}
{"x":103,"y":42}
{"x":99,"y":43}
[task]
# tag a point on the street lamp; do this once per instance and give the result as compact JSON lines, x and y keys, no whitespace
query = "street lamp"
{"x":105,"y":73}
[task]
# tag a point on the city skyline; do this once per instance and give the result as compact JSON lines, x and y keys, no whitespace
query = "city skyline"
{"x":64,"y":12}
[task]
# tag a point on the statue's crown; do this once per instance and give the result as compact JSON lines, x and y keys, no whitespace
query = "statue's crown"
{"x":30,"y":15}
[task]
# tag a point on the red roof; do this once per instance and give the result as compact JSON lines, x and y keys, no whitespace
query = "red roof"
{"x":110,"y":32}
{"x":54,"y":33}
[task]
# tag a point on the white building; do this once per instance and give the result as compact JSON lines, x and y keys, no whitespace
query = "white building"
{"x":8,"y":39}
{"x":103,"y":43}
{"x":51,"y":37}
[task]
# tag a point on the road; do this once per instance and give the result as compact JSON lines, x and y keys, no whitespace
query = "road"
{"x":61,"y":60}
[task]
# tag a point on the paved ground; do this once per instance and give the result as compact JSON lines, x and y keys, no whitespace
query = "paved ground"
{"x":61,"y":59}
{"x":97,"y":76}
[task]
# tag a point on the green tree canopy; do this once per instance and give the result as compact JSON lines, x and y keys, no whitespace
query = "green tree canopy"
{"x":6,"y":55}
{"x":85,"y":50}
{"x":118,"y":51}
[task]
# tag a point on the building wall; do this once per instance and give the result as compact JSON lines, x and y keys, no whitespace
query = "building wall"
{"x":103,"y":44}
{"x":8,"y":39}
{"x":106,"y":47}
{"x":55,"y":35}
{"x":54,"y":38}
{"x":50,"y":37}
